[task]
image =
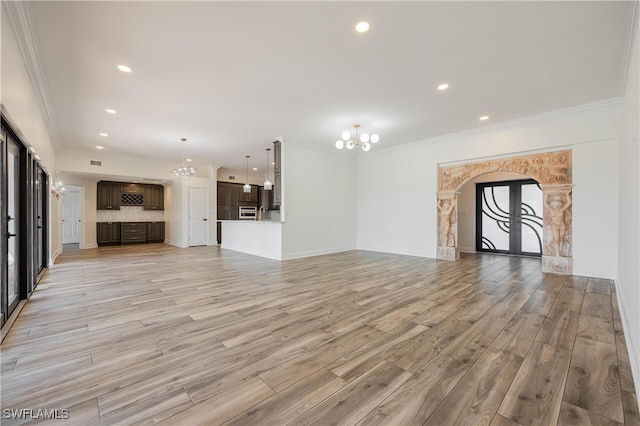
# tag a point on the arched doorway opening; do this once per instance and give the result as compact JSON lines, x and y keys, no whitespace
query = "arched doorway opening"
{"x":552,"y":170}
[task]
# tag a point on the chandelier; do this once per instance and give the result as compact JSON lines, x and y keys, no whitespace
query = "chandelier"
{"x":57,"y":190}
{"x":184,"y":171}
{"x":364,"y":140}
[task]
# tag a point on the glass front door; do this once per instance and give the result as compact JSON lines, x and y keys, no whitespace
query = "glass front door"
{"x":509,"y":217}
{"x":13,"y":218}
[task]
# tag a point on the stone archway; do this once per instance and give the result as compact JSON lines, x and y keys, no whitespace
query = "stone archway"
{"x":551,"y":169}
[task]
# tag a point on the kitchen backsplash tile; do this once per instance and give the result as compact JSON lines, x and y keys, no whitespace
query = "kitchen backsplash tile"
{"x":130,"y":214}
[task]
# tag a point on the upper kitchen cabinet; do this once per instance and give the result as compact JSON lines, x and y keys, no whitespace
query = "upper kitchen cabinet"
{"x":277,"y":177}
{"x":108,"y":196}
{"x":249,"y":197}
{"x":277,"y":156}
{"x":133,"y":188}
{"x":228,"y":201}
{"x":153,"y":197}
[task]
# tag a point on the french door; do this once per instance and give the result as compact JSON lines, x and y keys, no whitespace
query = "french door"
{"x":509,"y":217}
{"x":23,"y":221}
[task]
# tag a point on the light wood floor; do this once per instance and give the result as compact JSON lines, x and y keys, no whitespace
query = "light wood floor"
{"x":157,"y":334}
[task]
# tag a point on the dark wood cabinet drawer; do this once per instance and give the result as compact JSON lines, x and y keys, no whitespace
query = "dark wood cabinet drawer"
{"x":133,"y":232}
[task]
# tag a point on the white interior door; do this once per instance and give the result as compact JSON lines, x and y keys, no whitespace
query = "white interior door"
{"x":198,"y":217}
{"x":71,"y":217}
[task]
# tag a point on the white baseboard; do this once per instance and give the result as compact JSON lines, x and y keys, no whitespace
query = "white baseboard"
{"x":310,"y":253}
{"x":630,"y":338}
{"x":89,"y":246}
{"x":57,"y":252}
{"x":173,"y":243}
{"x":467,"y":250}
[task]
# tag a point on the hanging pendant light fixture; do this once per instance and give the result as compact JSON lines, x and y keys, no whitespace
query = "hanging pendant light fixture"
{"x":364,"y":140}
{"x":247,"y":187}
{"x":184,"y":171}
{"x":267,"y":183}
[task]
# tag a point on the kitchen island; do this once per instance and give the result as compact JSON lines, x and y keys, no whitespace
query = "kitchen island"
{"x":260,"y":238}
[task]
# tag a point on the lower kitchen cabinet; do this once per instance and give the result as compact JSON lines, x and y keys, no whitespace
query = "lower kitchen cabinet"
{"x":116,"y":233}
{"x":133,"y":232}
{"x":155,"y":232}
{"x":108,"y":233}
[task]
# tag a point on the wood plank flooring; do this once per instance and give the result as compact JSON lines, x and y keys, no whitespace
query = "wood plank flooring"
{"x":158,"y":334}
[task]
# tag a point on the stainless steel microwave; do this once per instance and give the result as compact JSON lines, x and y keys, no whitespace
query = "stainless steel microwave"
{"x":247,"y":212}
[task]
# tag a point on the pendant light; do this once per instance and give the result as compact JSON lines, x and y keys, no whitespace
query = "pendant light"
{"x":247,"y":187}
{"x":267,"y":183}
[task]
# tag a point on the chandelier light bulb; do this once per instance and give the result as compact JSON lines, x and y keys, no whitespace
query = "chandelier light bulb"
{"x":362,"y":139}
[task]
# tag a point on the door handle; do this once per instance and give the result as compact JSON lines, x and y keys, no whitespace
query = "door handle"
{"x":11,"y":235}
{"x":40,"y":227}
{"x":204,"y":220}
{"x":79,"y":220}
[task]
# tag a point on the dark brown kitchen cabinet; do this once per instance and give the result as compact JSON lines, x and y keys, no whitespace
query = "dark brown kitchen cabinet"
{"x":108,"y":233}
{"x":228,"y":201}
{"x":155,"y":232}
{"x":133,"y":188}
{"x":248,"y":197}
{"x":108,"y":195}
{"x":153,"y":197}
{"x":277,"y":174}
{"x":266,"y":198}
{"x":133,"y":232}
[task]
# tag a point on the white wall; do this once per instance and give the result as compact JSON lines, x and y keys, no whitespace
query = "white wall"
{"x":21,"y":106}
{"x":628,"y":282}
{"x":320,"y":201}
{"x":19,"y":99}
{"x":397,"y":186}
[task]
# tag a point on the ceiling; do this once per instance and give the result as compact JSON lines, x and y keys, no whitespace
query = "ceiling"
{"x":233,"y":76}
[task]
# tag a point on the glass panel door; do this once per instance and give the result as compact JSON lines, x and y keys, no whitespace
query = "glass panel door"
{"x":509,"y":217}
{"x":40,"y":214}
{"x":3,"y":235}
{"x":496,"y":226}
{"x":13,"y":223}
{"x":531,"y":218}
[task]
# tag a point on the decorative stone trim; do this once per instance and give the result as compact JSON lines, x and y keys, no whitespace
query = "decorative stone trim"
{"x":553,"y":170}
{"x":547,"y":168}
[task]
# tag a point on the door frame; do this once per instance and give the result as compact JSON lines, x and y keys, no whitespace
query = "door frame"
{"x":515,"y":224}
{"x":81,"y":244}
{"x":207,"y":214}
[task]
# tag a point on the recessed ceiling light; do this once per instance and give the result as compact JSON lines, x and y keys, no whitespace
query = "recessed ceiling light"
{"x":111,"y":111}
{"x":124,"y":68}
{"x":188,"y":160}
{"x":99,"y":147}
{"x":255,"y":169}
{"x":273,"y":163}
{"x":484,"y":118}
{"x":362,"y":27}
{"x":443,"y":86}
{"x":104,"y":134}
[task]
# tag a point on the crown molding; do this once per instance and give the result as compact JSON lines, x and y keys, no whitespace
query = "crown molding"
{"x":632,"y":28}
{"x":20,"y":21}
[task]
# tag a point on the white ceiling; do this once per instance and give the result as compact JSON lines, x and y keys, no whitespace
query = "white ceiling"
{"x":233,"y":76}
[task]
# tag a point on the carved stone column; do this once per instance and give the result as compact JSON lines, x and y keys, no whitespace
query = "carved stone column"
{"x":557,"y":256}
{"x":447,"y":209}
